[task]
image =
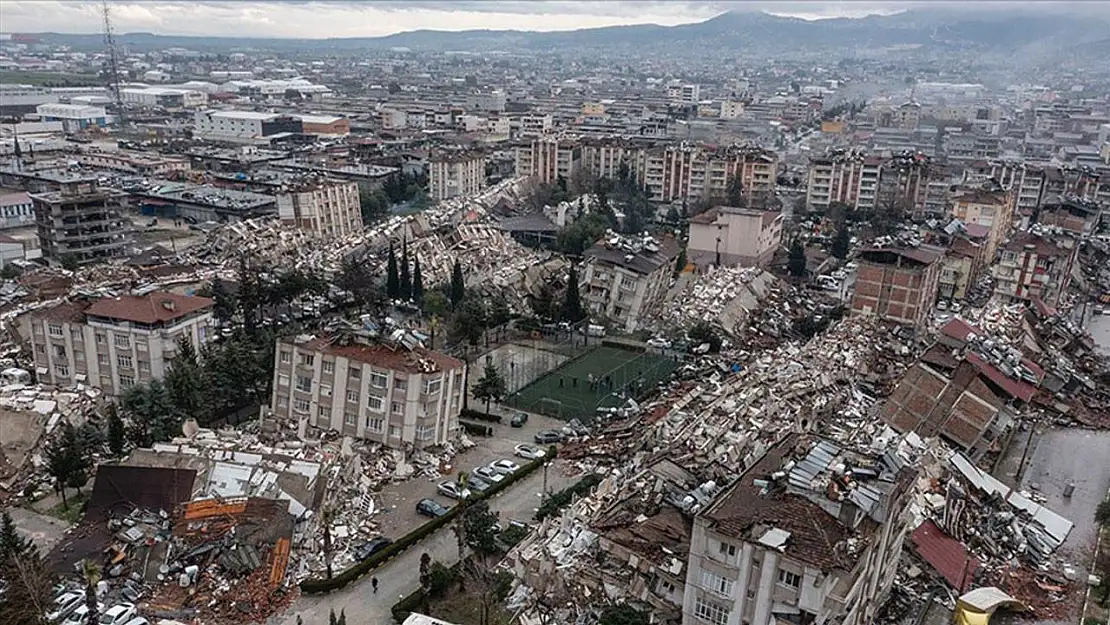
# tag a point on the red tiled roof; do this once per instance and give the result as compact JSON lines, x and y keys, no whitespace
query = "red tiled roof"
{"x":977,"y":231}
{"x":945,"y":554}
{"x":151,"y":308}
{"x":1015,"y":388}
{"x":959,"y":329}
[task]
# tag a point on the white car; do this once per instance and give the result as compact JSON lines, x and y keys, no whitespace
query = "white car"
{"x":504,"y":467}
{"x":658,"y":342}
{"x":64,"y":605}
{"x":453,"y":490}
{"x":118,"y":614}
{"x":78,"y":617}
{"x":529,"y":452}
{"x":487,"y":474}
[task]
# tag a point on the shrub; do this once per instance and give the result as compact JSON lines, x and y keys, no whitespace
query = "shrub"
{"x":557,"y":501}
{"x":476,"y":429}
{"x":478,"y":415}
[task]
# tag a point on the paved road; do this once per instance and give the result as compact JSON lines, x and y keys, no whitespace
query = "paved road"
{"x":400,"y":576}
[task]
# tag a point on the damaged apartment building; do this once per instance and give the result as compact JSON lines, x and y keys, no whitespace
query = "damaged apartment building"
{"x":113,"y":342}
{"x":811,"y":533}
{"x":625,"y":277}
{"x":390,"y":391}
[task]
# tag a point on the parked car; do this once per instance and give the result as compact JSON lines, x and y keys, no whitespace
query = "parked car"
{"x":504,"y":467}
{"x":367,"y":549}
{"x":547,"y":437}
{"x":477,"y":484}
{"x":430,"y":507}
{"x":529,"y":452}
{"x":519,"y":419}
{"x":138,"y":620}
{"x":453,"y":490}
{"x":78,"y":616}
{"x":658,"y":342}
{"x":487,"y":474}
{"x":118,"y":614}
{"x":64,"y":605}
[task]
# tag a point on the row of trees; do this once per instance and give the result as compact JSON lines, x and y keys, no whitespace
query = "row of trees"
{"x":400,"y":284}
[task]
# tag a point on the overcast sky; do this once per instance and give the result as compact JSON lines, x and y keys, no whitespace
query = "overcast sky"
{"x":367,"y":18}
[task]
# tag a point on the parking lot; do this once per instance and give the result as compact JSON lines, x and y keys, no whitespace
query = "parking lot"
{"x":398,"y":501}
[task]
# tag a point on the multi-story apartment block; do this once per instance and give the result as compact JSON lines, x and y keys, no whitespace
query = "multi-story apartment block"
{"x":962,"y":263}
{"x":897,"y":284}
{"x":1076,"y":215}
{"x":902,"y":182}
{"x":986,"y":205}
{"x":1034,"y":265}
{"x":797,"y":538}
{"x":16,"y":210}
{"x":387,"y":393}
{"x":326,"y":207}
{"x":547,"y":159}
{"x":81,"y":221}
{"x":115,"y":342}
{"x":697,"y":172}
{"x":454,"y":174}
{"x":728,"y":236}
{"x":625,"y":279}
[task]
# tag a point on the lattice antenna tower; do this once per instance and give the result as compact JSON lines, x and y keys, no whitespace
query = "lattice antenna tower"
{"x":113,"y":63}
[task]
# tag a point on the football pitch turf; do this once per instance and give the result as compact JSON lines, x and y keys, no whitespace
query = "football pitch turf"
{"x":566,"y":392}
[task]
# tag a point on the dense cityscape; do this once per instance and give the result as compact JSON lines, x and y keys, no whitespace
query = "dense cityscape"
{"x":753,"y":320}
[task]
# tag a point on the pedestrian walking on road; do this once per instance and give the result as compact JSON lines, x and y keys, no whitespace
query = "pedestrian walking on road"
{"x":374,"y":583}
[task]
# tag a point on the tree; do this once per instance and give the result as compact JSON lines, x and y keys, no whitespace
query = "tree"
{"x":1102,"y":513}
{"x":223,"y":309}
{"x":436,"y":303}
{"x":481,"y":528}
{"x":490,"y":386}
{"x":68,"y":262}
{"x":65,"y":460}
{"x":426,"y":578}
{"x":117,"y":438}
{"x":469,"y":321}
{"x":734,"y":192}
{"x":392,"y":281}
{"x":91,"y":573}
{"x":356,"y":279}
{"x":406,"y":279}
{"x":185,"y":382}
{"x":417,"y":282}
{"x":325,"y":520}
{"x":622,"y":614}
{"x":680,"y":262}
{"x":572,"y":304}
{"x":10,"y":272}
{"x":796,"y":265}
{"x":581,"y":234}
{"x":458,"y":287}
{"x":29,"y":582}
{"x":337,"y":620}
{"x":841,"y":242}
{"x":150,"y":410}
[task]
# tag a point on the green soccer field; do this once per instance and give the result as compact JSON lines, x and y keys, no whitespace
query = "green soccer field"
{"x":566,"y":392}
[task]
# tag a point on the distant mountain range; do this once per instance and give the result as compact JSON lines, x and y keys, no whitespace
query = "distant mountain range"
{"x":999,"y":31}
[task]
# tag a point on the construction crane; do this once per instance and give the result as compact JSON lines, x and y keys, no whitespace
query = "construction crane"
{"x":113,"y":65}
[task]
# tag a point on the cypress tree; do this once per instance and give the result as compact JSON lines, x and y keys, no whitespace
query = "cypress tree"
{"x":406,"y":280}
{"x":572,"y":303}
{"x":417,"y":282}
{"x":458,"y":288}
{"x":392,"y":284}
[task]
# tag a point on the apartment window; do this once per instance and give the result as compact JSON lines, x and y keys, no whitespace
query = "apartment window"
{"x":329,"y":366}
{"x":122,"y":340}
{"x":396,"y":408}
{"x":283,"y":401}
{"x":352,"y":395}
{"x":433,"y":386}
{"x":301,"y":405}
{"x":55,"y":329}
{"x":715,"y":583}
{"x":60,"y":351}
{"x":400,"y":384}
{"x":711,"y":611}
{"x":61,"y":371}
{"x":354,"y":373}
{"x":286,"y":357}
{"x":425,"y":433}
{"x":322,"y":411}
{"x":140,"y":344}
{"x":283,"y":380}
{"x":124,"y":362}
{"x":325,"y":390}
{"x":304,"y":383}
{"x":40,"y":348}
{"x":378,"y":380}
{"x":144,"y":367}
{"x":308,"y":359}
{"x":395,"y":430}
{"x":102,"y":359}
{"x":101,"y":339}
{"x":350,"y":418}
{"x":666,"y":587}
{"x":786,"y":578}
{"x":727,"y":549}
{"x":375,"y":403}
{"x":375,"y":424}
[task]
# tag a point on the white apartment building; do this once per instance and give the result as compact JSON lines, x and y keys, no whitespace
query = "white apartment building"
{"x":393,"y":119}
{"x":327,"y":207}
{"x":729,"y":236}
{"x":548,"y":158}
{"x":115,"y":342}
{"x":16,"y":210}
{"x":776,"y":546}
{"x":451,"y":175}
{"x":385,"y":393}
{"x":684,"y":94}
{"x":625,"y":278}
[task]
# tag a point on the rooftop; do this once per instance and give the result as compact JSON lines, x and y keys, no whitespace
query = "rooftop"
{"x":158,"y":307}
{"x":394,"y":358}
{"x":642,"y":256}
{"x":892,"y":255}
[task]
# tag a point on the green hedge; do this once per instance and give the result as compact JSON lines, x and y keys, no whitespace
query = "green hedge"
{"x":557,"y":501}
{"x":360,"y":569}
{"x":476,"y":429}
{"x":478,"y":415}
